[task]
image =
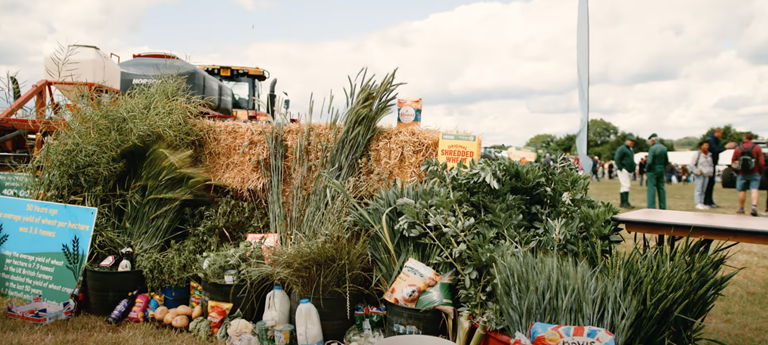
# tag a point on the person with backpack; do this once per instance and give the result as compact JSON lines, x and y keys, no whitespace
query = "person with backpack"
{"x":702,"y":170}
{"x":749,"y":163}
{"x":658,"y":160}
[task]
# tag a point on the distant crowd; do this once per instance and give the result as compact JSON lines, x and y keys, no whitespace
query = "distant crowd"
{"x":655,"y":171}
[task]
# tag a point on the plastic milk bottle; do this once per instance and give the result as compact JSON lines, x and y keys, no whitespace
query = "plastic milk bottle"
{"x":278,"y":307}
{"x":308,"y":329}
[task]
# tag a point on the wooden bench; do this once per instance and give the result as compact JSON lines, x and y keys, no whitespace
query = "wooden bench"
{"x":721,"y":227}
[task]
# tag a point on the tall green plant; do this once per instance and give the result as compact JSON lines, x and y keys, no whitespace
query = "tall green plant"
{"x":676,"y":287}
{"x":561,"y":290}
{"x":159,"y":183}
{"x":308,"y":215}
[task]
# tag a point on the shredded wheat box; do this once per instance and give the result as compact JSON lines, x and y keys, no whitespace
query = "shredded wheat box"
{"x":455,"y":148}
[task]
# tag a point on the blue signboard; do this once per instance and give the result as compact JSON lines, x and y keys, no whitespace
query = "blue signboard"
{"x":43,"y":247}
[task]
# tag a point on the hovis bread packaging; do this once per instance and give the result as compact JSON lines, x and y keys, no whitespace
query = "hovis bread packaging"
{"x":408,"y":112}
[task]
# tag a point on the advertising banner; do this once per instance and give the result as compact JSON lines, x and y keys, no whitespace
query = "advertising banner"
{"x":43,"y":247}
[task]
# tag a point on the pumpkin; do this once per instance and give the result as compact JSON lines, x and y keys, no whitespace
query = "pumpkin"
{"x":160,"y":313}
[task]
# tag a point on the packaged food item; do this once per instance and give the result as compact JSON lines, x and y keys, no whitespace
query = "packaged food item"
{"x":267,"y":243}
{"x":408,"y":112}
{"x":127,"y":263}
{"x":520,"y":339}
{"x":242,"y":339}
{"x":438,"y":295}
{"x":265,"y":330}
{"x":217,"y":311}
{"x":368,"y":328}
{"x":412,"y":281}
{"x":155,"y":301}
{"x":284,"y":334}
{"x":109,"y":261}
{"x":195,"y":294}
{"x":137,"y":313}
{"x":121,"y":307}
{"x":547,"y":334}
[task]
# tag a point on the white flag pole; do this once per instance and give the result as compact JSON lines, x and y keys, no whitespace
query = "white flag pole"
{"x":582,"y":62}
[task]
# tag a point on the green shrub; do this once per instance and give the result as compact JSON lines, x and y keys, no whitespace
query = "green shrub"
{"x":467,"y":212}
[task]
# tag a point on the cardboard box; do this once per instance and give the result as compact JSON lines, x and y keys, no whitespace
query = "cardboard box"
{"x":455,"y":148}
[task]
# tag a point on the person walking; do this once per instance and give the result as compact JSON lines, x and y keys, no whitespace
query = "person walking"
{"x":657,"y":162}
{"x":715,"y":149}
{"x":625,"y":166}
{"x":702,"y":170}
{"x":749,"y":162}
{"x":595,"y":164}
{"x":641,"y":170}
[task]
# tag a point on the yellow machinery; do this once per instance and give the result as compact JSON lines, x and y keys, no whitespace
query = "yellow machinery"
{"x":245,"y":83}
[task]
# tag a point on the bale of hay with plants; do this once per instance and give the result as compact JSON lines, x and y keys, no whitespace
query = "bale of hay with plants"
{"x":344,"y":211}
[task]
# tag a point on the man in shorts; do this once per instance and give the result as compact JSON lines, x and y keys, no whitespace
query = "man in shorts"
{"x":750,"y":168}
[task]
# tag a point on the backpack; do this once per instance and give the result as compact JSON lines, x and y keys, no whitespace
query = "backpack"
{"x":746,"y":161}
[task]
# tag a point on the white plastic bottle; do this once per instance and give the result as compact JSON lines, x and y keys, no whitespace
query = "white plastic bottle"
{"x":277,"y":308}
{"x":308,"y":329}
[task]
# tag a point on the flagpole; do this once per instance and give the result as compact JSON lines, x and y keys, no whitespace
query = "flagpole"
{"x":582,"y":66}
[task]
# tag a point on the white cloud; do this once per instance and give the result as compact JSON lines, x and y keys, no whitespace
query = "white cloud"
{"x":505,"y":71}
{"x":254,"y":4}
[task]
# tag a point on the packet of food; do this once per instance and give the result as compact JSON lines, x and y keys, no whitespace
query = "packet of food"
{"x":412,"y":281}
{"x":547,"y":334}
{"x":408,"y":112}
{"x":137,"y":312}
{"x":217,"y":311}
{"x":195,"y":294}
{"x":438,"y":295}
{"x":155,"y":302}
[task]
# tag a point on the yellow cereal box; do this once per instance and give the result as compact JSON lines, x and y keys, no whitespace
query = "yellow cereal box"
{"x":455,"y":148}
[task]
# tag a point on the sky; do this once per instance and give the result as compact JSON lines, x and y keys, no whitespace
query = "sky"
{"x":505,"y":70}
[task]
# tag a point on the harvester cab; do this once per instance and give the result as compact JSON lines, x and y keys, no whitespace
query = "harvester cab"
{"x":245,"y":83}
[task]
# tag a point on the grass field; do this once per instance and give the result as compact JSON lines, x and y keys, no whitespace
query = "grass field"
{"x":739,"y":317}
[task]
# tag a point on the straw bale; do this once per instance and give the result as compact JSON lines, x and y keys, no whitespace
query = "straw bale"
{"x":236,"y":154}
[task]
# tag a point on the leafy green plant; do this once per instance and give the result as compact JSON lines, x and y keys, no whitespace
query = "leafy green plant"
{"x":675,"y":287}
{"x":468,"y":211}
{"x":74,"y":256}
{"x":560,"y":290}
{"x":159,"y":184}
{"x":652,"y":295}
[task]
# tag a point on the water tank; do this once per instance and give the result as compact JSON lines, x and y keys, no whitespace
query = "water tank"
{"x":83,"y":64}
{"x":147,"y":68}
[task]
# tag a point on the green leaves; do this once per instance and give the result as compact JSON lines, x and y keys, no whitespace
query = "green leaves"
{"x":456,"y":218}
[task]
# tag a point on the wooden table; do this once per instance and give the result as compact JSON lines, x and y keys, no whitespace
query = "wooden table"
{"x":721,"y":227}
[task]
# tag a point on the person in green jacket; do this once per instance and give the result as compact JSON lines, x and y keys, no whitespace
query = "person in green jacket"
{"x":654,"y":169}
{"x":625,"y":164}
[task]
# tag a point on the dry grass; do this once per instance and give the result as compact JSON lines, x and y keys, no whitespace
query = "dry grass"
{"x":88,"y":329}
{"x":740,"y":316}
{"x":236,"y":153}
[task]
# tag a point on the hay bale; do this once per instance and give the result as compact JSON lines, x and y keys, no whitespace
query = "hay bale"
{"x":236,"y":154}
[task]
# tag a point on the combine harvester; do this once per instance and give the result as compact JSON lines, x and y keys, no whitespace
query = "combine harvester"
{"x":230,"y":93}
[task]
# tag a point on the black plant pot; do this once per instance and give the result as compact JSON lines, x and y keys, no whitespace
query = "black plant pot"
{"x":105,"y":289}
